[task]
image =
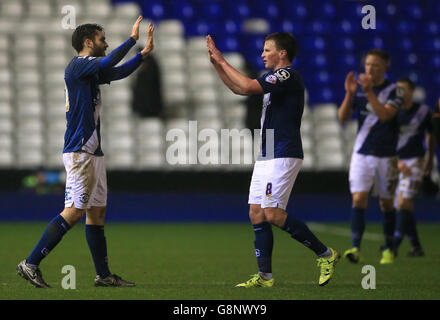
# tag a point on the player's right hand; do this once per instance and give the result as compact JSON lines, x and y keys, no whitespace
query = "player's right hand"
{"x":135,"y":29}
{"x":350,"y":83}
{"x":150,"y":41}
{"x":404,"y":169}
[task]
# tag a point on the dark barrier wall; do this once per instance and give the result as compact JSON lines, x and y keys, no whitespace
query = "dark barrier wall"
{"x":167,"y":207}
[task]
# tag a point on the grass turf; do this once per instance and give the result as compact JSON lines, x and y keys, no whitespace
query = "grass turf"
{"x":204,"y":261}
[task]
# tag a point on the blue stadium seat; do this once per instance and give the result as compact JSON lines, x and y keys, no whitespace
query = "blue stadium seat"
{"x":294,"y":10}
{"x":350,"y":10}
{"x":342,"y":43}
{"x":407,"y":27}
{"x":287,"y":25}
{"x":347,"y":26}
{"x":321,"y":78}
{"x":238,"y":9}
{"x":327,"y":10}
{"x":210,"y":9}
{"x":230,"y":26}
{"x":404,"y":44}
{"x":200,"y":28}
{"x":316,"y":61}
{"x":154,"y":10}
{"x":312,"y":44}
{"x":347,"y":61}
{"x":228,"y":44}
{"x":252,"y":43}
{"x":256,"y":61}
{"x":318,"y":27}
{"x":412,"y":10}
{"x":428,"y":43}
{"x":320,"y":95}
{"x":265,"y":9}
{"x":182,"y":10}
{"x":368,"y":43}
{"x":405,"y":61}
{"x":431,"y":27}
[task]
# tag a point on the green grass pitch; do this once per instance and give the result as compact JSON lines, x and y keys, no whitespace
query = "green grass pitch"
{"x":204,"y":261}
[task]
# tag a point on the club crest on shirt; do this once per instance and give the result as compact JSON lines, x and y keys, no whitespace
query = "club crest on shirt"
{"x":271,"y":79}
{"x":282,"y":75}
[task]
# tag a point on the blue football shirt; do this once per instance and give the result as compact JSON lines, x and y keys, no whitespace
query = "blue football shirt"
{"x":413,"y":123}
{"x":283,"y":106}
{"x":375,"y":137}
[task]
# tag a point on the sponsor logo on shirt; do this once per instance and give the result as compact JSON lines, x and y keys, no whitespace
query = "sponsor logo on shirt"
{"x":271,"y":79}
{"x":282,"y":75}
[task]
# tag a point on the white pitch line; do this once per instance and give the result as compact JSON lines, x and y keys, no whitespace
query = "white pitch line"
{"x":342,"y":231}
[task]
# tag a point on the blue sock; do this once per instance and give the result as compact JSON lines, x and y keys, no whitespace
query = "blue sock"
{"x":399,"y":233}
{"x":263,"y":246}
{"x":300,"y":232}
{"x":409,"y":227}
{"x":53,"y":234}
{"x":357,"y":226}
{"x":98,"y":248}
{"x":389,"y":226}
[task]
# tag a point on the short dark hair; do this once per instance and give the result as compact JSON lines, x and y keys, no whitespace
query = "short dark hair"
{"x":284,"y":41}
{"x":411,"y":84}
{"x":381,"y":54}
{"x":83,"y":32}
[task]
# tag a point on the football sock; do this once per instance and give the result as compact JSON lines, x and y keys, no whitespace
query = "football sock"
{"x":53,"y":234}
{"x":300,"y":232}
{"x":389,"y":227}
{"x":265,"y":276}
{"x":410,"y":228}
{"x":399,"y":233}
{"x":263,"y":246}
{"x":357,"y":226}
{"x":98,"y":248}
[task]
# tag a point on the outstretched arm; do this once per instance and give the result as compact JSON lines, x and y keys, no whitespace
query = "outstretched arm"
{"x":124,"y":70}
{"x":232,"y":78}
{"x":119,"y":53}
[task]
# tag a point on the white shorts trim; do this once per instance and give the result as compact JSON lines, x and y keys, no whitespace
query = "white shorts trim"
{"x":409,"y":186}
{"x":368,"y":171}
{"x":86,"y":180}
{"x":272,"y":182}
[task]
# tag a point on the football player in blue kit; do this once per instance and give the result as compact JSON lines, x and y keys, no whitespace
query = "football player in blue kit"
{"x":279,"y":162}
{"x":86,"y":182}
{"x":415,"y":125}
{"x":374,"y":158}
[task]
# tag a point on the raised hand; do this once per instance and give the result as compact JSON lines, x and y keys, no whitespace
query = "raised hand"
{"x":350,"y":83}
{"x":135,"y":29}
{"x":366,"y":82}
{"x":150,"y":41}
{"x":214,"y":54}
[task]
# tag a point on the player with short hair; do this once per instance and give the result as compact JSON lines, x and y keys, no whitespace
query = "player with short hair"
{"x":374,"y":158}
{"x":86,"y":182}
{"x":415,"y":125}
{"x":276,"y":169}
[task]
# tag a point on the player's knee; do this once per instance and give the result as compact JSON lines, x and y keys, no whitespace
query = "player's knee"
{"x":274,"y":216}
{"x":72,"y":215}
{"x":386,"y":205}
{"x":96,"y":215}
{"x":405,"y":204}
{"x":256,"y":214}
{"x":360,"y":200}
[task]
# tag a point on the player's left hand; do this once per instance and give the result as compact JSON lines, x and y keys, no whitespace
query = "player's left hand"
{"x":366,"y":82}
{"x":150,"y":41}
{"x":135,"y":29}
{"x":428,"y":167}
{"x":214,"y":54}
{"x":404,"y":169}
